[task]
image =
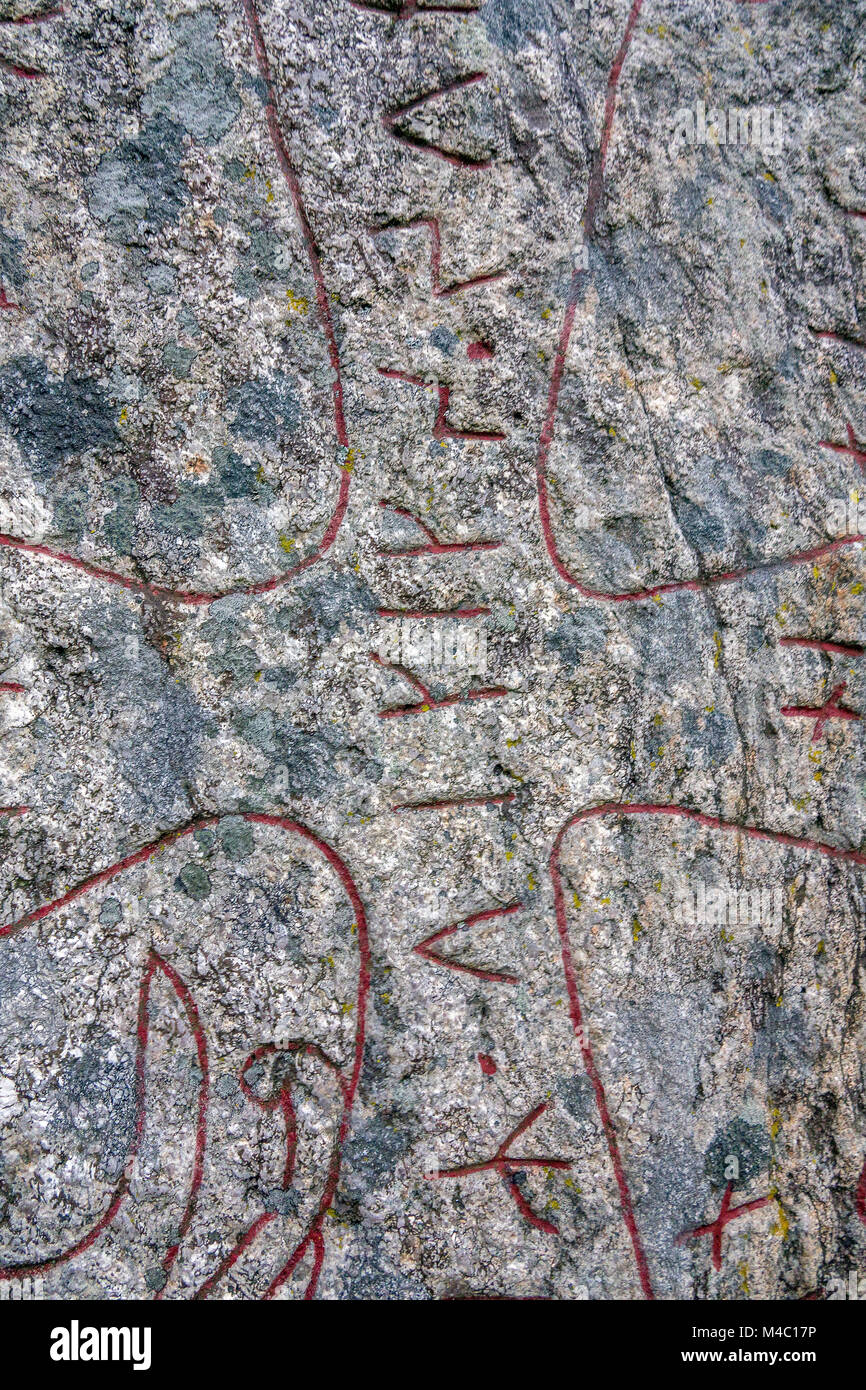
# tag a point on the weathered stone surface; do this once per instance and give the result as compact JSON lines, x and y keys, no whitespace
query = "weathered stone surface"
{"x":429,"y":866}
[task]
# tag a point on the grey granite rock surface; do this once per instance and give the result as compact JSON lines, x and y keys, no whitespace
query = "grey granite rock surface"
{"x":432,"y":643}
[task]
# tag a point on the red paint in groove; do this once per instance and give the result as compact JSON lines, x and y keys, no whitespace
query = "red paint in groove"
{"x":41,"y":18}
{"x":283,"y":1101}
{"x":486,"y":1063}
{"x":675,"y":586}
{"x":348,"y":1084}
{"x":186,"y":998}
{"x":715,"y":1228}
{"x":479,"y":351}
{"x":154,"y":962}
{"x":494,"y":799}
{"x":818,"y":644}
{"x":14,"y":810}
{"x":16,"y":70}
{"x":853,"y":447}
{"x":6,"y":303}
{"x":613,"y":808}
{"x":508,"y":1167}
{"x":845,"y":339}
{"x":441,"y":427}
{"x":417,"y":142}
{"x":434,"y":546}
{"x":12,"y":687}
{"x":594,"y":192}
{"x":439,"y":291}
{"x":487,"y":692}
{"x":596,"y":185}
{"x":831,"y":709}
{"x":425,"y":948}
{"x":860,"y":1196}
{"x":198,"y":598}
{"x":428,"y":702}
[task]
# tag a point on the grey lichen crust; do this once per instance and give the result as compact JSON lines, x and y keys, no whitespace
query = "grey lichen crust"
{"x":432,"y":648}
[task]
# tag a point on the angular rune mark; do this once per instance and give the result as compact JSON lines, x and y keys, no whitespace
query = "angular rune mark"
{"x":844,"y":339}
{"x":6,"y":303}
{"x":425,"y":947}
{"x":509,"y":1169}
{"x":439,"y":290}
{"x":715,"y":1228}
{"x":26,"y":74}
{"x":441,"y":427}
{"x":831,"y":709}
{"x":418,"y":142}
{"x":428,"y":701}
{"x":818,"y":644}
{"x":280,"y":1099}
{"x":853,"y":447}
{"x":433,"y":545}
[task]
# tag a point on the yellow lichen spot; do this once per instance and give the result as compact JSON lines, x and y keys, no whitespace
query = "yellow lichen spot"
{"x":575,"y":898}
{"x":763,"y":287}
{"x":249,"y":173}
{"x":531,"y":881}
{"x":545,"y":313}
{"x":833,"y":377}
{"x":297,"y":303}
{"x":632,"y":750}
{"x":775,"y":1123}
{"x":662,"y":31}
{"x":657,"y":598}
{"x":857,"y":588}
{"x":744,"y":1277}
{"x":820,"y":949}
{"x":347,"y":1008}
{"x":717,"y":655}
{"x":286,"y":542}
{"x":257,"y":676}
{"x":782,"y":1226}
{"x":636,"y":929}
{"x":697,"y":383}
{"x":122,"y":417}
{"x":509,"y":854}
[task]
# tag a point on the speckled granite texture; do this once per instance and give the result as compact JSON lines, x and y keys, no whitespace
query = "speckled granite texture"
{"x":432,"y":648}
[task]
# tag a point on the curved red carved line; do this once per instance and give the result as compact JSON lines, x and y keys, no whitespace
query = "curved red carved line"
{"x":154,"y":962}
{"x":594,"y":194}
{"x":192,"y":1013}
{"x":614,"y":808}
{"x":860,"y":1198}
{"x":283,"y":1100}
{"x":348,"y":1084}
{"x":186,"y":596}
